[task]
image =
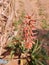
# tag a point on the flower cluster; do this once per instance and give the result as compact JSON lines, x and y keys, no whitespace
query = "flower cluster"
{"x":29,"y":32}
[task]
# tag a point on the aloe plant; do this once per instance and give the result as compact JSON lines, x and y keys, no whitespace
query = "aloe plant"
{"x":38,"y":55}
{"x":26,"y":36}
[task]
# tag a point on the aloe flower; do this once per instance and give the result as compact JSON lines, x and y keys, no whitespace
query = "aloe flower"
{"x":28,"y":32}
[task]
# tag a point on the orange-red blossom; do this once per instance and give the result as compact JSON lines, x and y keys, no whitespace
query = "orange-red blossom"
{"x":27,"y":31}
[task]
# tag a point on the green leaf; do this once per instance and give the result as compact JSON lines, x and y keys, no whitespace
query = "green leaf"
{"x":12,"y":54}
{"x":44,"y":62}
{"x":39,"y":62}
{"x":37,"y":47}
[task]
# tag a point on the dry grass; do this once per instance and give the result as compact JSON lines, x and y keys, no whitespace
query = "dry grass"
{"x":7,"y":14}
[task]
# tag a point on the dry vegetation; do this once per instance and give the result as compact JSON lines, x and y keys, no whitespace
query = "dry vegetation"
{"x":7,"y":14}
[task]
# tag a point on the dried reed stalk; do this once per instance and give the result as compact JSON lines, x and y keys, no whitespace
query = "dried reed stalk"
{"x":7,"y":14}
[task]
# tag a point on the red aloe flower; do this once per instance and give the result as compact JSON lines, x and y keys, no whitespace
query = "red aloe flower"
{"x":28,"y":17}
{"x":28,"y":34}
{"x":28,"y":45}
